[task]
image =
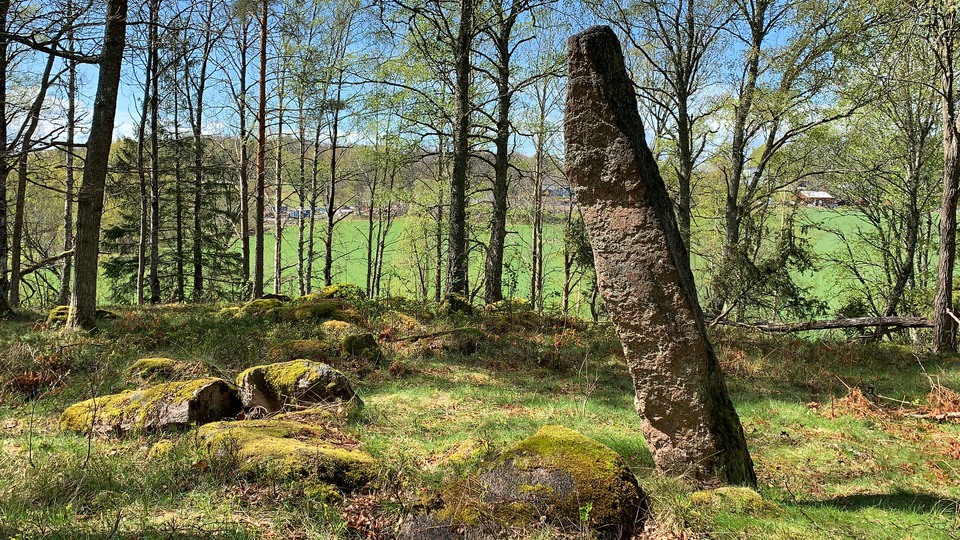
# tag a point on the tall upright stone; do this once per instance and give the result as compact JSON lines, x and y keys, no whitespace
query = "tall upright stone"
{"x":688,"y":419}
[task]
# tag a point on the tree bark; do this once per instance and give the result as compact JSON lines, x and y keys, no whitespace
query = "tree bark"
{"x":154,"y":82}
{"x":944,"y":322}
{"x":90,"y":197}
{"x":642,"y":271}
{"x":258,"y":255}
{"x":66,"y":272}
{"x":20,"y":205}
{"x":457,"y":255}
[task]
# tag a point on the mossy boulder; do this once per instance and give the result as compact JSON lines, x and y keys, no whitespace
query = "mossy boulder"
{"x":279,"y":449}
{"x":399,"y":323}
{"x":342,"y":291}
{"x":58,"y":315}
{"x":313,"y":310}
{"x":173,"y":405}
{"x":337,"y":330}
{"x":558,"y":475}
{"x":454,"y":303}
{"x":310,"y":349}
{"x":731,"y":499}
{"x":508,"y":305}
{"x":273,"y":386}
{"x":361,"y":345}
{"x":261,"y":307}
{"x":164,"y":369}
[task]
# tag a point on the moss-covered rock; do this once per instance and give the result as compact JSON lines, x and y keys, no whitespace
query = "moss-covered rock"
{"x":731,"y":499}
{"x":337,"y":330}
{"x":454,"y":303}
{"x":58,"y":315}
{"x":310,"y":349}
{"x":361,"y":345}
{"x":342,"y":291}
{"x":509,"y":305}
{"x":556,"y":474}
{"x":273,"y":386}
{"x":164,"y":369}
{"x":229,"y":312}
{"x":171,"y":405}
{"x":400,"y":324}
{"x":314,"y":310}
{"x":261,"y":307}
{"x":160,"y":450}
{"x":288,"y":450}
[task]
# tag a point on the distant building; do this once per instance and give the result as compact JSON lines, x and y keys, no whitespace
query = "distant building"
{"x":817,"y":198}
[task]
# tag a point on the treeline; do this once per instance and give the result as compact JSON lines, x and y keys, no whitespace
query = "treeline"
{"x":450,"y":111}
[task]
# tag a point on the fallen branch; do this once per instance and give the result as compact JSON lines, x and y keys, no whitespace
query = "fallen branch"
{"x":46,"y":262}
{"x":431,"y":335}
{"x":855,"y":322}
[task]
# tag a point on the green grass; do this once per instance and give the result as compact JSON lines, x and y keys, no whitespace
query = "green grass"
{"x":827,"y":468}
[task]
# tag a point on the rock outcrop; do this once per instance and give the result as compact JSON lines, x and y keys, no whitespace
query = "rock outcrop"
{"x":643,"y":271}
{"x":273,"y":386}
{"x":174,"y":405}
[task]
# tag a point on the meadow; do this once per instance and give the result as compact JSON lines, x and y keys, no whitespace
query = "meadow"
{"x":845,"y":436}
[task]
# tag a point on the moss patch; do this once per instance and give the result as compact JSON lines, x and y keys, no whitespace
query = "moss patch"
{"x":558,"y":474}
{"x":731,"y":499}
{"x":150,"y":369}
{"x":311,"y":349}
{"x":284,"y":449}
{"x":361,"y":345}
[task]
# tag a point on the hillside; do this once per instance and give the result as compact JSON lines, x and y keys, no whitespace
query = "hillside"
{"x":850,"y":441}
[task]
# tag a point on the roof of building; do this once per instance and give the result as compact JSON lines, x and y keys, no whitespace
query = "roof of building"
{"x":816,"y":195}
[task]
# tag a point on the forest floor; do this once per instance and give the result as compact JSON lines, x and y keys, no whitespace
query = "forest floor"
{"x":833,"y":428}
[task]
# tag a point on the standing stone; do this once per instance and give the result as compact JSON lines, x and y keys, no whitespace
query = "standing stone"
{"x":688,"y":419}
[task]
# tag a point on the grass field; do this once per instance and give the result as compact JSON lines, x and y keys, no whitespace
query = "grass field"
{"x":350,"y":255}
{"x":831,"y":462}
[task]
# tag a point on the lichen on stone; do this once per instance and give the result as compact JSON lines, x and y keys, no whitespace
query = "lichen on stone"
{"x":555,"y":474}
{"x":164,"y":406}
{"x":288,"y":450}
{"x":274,"y":386}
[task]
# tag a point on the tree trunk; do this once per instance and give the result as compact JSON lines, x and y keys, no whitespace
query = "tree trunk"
{"x":688,"y":418}
{"x":66,"y":273}
{"x":457,"y":255}
{"x":493,"y":268}
{"x":944,"y":321}
{"x":278,"y":192}
{"x":179,"y":293}
{"x":198,"y":148}
{"x":90,"y":197}
{"x":154,"y":155}
{"x":258,"y":256}
{"x":244,"y":166}
{"x":22,"y":170}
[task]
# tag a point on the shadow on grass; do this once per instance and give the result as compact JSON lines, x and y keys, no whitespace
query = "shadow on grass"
{"x":898,"y":501}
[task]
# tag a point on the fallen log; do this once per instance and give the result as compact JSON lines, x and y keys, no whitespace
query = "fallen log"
{"x":835,"y":324}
